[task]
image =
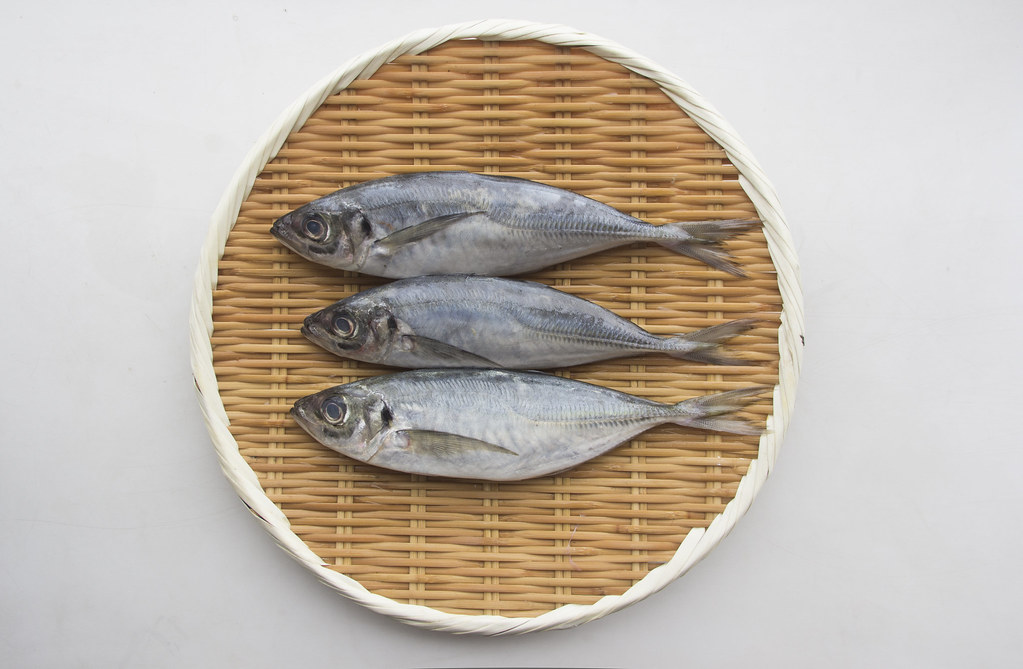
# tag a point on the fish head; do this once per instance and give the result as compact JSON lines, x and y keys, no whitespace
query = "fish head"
{"x":353,"y":328}
{"x":324,"y":231}
{"x":344,"y":418}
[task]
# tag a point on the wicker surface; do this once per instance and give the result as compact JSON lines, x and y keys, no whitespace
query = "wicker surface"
{"x":560,"y":116}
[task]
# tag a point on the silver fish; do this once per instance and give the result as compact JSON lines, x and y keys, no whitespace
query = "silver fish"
{"x":476,"y":321}
{"x":459,"y":222}
{"x":495,"y":424}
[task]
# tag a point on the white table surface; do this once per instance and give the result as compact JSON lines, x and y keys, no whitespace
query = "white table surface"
{"x":888,"y":534}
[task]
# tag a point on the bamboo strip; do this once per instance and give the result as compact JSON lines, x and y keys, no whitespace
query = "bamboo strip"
{"x":556,"y":114}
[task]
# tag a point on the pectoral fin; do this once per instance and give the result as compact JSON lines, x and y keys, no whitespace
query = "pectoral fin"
{"x":423,"y":230}
{"x":445,"y":444}
{"x":446,"y":353}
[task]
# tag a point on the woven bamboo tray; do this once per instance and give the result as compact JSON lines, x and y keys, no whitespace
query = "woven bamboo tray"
{"x":557,"y":106}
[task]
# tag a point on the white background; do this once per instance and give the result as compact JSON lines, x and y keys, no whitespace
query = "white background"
{"x":889,"y":533}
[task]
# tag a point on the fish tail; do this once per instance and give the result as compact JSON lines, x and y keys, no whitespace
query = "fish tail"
{"x":715,"y":412}
{"x":705,"y":345}
{"x":703,"y":240}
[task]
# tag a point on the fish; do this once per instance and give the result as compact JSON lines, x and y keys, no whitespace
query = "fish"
{"x":495,"y":424}
{"x":479,"y":321}
{"x":460,"y":222}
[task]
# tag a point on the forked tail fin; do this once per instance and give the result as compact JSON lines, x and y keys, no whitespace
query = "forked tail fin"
{"x":713,"y":412}
{"x":702,"y":241}
{"x":705,"y":345}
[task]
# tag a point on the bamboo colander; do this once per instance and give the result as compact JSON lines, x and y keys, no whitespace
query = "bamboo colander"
{"x":557,"y":106}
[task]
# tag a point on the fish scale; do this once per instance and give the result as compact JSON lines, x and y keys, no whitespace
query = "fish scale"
{"x":554,"y":325}
{"x":495,"y":424}
{"x":440,"y":222}
{"x":473,"y":321}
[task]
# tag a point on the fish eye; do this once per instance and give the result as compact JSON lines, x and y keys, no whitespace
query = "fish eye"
{"x":315,"y":228}
{"x":344,"y":326}
{"x":333,"y":410}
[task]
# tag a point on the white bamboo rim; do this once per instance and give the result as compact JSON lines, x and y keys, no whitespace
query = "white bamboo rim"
{"x":698,"y":541}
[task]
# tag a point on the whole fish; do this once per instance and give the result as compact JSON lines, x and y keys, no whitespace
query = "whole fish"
{"x":477,"y":321}
{"x":495,"y":424}
{"x":459,"y":222}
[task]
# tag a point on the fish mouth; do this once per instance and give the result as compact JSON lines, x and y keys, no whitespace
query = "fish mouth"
{"x":318,"y":334}
{"x":281,"y":231}
{"x":300,"y":413}
{"x":312,"y":328}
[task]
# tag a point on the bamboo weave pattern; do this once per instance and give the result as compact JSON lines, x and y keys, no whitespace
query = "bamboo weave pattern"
{"x":558,"y":115}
